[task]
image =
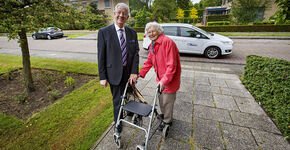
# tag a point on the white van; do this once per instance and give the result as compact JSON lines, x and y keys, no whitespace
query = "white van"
{"x":193,"y":40}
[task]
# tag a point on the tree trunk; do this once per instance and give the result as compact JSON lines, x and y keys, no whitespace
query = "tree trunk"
{"x":26,"y":61}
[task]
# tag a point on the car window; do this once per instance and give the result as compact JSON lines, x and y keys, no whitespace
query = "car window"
{"x":187,"y":32}
{"x":170,"y":31}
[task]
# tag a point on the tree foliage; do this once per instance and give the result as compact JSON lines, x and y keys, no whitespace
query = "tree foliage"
{"x":207,"y":3}
{"x":245,"y":11}
{"x":142,"y":18}
{"x":282,"y":16}
{"x":180,"y":14}
{"x":163,"y":10}
{"x":193,"y":13}
{"x":183,"y":4}
{"x":94,"y":19}
{"x":21,"y":16}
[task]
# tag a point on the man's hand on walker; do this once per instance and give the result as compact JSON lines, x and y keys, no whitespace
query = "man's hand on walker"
{"x":133,"y":78}
{"x":104,"y":83}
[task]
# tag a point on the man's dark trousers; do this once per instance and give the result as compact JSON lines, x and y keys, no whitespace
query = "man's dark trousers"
{"x":117,"y":91}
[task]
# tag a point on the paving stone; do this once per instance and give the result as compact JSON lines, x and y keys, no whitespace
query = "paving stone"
{"x":206,"y":133}
{"x":139,"y":138}
{"x":171,"y":144}
{"x":236,"y":92}
{"x":199,"y":74}
{"x":217,"y":82}
{"x":212,"y":113}
{"x":270,"y":141}
{"x":148,"y":91}
{"x":185,"y":97}
{"x":207,"y":88}
{"x":141,"y":84}
{"x":180,"y":130}
{"x":187,"y":73}
{"x":238,"y":138}
{"x":203,"y":98}
{"x":235,"y":84}
{"x":249,"y":105}
{"x":186,"y":87}
{"x":260,"y":122}
{"x":225,"y":102}
{"x":183,"y":111}
{"x":227,"y":76}
{"x":108,"y":141}
{"x":152,"y":84}
{"x":150,"y":74}
{"x":202,"y":81}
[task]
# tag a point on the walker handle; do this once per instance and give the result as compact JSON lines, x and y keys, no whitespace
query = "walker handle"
{"x":158,"y":89}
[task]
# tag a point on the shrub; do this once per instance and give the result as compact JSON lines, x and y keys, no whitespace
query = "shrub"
{"x":218,"y":23}
{"x":21,"y":98}
{"x":54,"y":94}
{"x":69,"y":81}
{"x":264,"y":22}
{"x":268,"y":80}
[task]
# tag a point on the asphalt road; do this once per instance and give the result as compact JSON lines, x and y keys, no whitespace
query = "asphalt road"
{"x":85,"y":50}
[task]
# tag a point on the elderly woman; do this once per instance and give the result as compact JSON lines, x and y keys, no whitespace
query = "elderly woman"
{"x":164,"y":57}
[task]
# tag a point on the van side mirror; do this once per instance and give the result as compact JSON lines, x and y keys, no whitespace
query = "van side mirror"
{"x":198,"y":36}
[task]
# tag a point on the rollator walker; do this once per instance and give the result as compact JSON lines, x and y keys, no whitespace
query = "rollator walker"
{"x":140,"y":109}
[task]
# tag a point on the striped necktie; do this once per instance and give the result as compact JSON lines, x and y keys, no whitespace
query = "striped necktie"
{"x":123,"y":48}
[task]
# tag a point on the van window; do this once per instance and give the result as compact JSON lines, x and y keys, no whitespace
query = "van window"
{"x":170,"y":31}
{"x":187,"y":32}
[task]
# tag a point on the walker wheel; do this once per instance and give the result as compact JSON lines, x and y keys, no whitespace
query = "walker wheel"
{"x":117,"y":140}
{"x":140,"y":147}
{"x":165,"y":131}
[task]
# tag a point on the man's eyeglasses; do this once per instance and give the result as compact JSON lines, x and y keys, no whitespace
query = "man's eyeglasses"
{"x":123,"y":13}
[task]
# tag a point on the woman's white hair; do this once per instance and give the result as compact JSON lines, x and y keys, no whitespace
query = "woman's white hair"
{"x":155,"y":26}
{"x":122,"y":5}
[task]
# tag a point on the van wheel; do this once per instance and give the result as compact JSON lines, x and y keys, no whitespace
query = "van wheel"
{"x":212,"y":52}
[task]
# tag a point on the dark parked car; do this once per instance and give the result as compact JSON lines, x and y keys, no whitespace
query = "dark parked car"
{"x":48,"y":33}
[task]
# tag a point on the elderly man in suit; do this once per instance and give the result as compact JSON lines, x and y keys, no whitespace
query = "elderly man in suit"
{"x":118,"y":56}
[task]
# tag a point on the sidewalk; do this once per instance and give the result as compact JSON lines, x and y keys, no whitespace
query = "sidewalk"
{"x":212,"y":111}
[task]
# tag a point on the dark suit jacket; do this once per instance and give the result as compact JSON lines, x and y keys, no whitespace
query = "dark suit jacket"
{"x":110,"y":56}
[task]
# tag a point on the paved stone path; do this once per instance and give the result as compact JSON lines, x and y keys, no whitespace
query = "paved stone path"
{"x":212,"y":111}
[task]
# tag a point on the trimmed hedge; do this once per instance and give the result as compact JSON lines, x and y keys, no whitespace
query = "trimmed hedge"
{"x":264,"y":22}
{"x":140,"y":29}
{"x":218,"y":23}
{"x":268,"y":80}
{"x":247,"y":28}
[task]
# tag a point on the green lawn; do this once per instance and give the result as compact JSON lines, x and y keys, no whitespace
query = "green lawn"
{"x":74,"y":122}
{"x":140,"y":36}
{"x":75,"y":35}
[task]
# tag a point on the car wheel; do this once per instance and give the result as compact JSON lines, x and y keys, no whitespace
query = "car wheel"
{"x":212,"y":52}
{"x":48,"y":37}
{"x":34,"y":37}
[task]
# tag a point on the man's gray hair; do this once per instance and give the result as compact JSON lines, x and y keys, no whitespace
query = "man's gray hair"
{"x":122,"y":5}
{"x":154,"y":25}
